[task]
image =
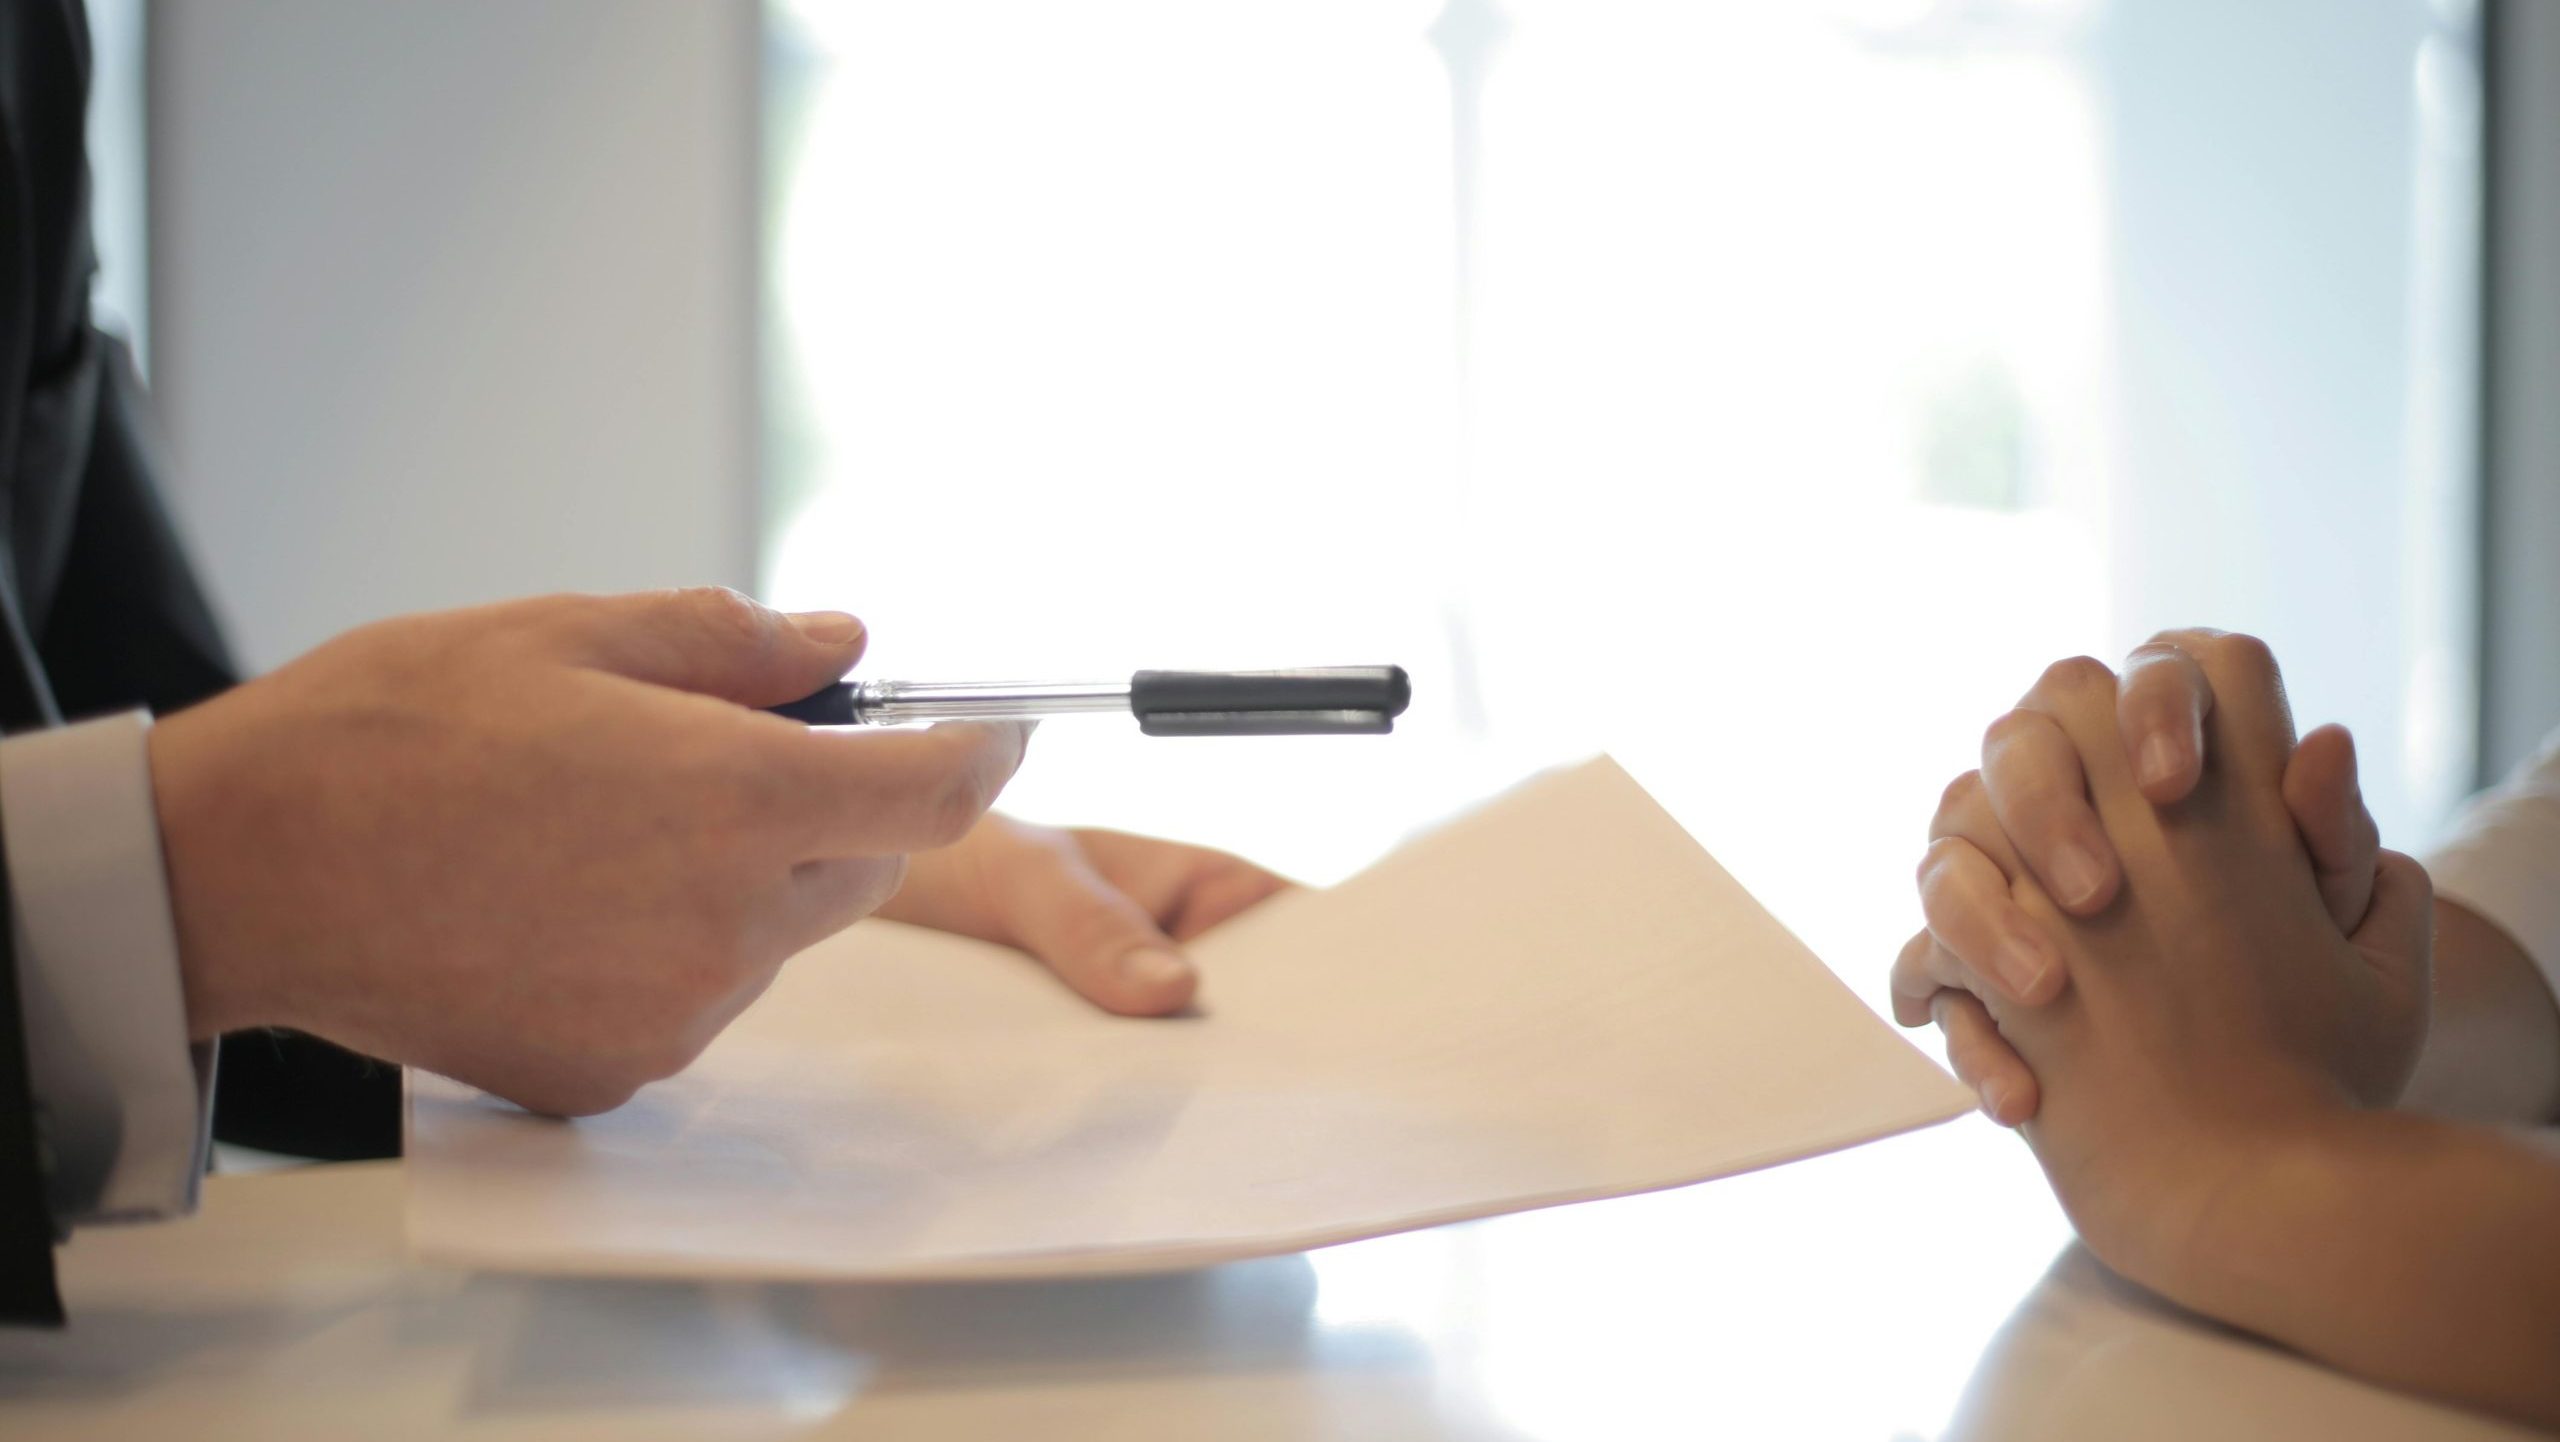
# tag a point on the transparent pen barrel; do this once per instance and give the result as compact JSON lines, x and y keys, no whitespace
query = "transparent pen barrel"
{"x":889,"y":703}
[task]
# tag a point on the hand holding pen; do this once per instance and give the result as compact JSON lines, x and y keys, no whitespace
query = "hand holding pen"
{"x":1321,"y":701}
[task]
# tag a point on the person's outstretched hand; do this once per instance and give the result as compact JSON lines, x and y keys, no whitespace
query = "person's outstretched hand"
{"x":1977,"y":948}
{"x":547,"y":847}
{"x":1104,"y":910}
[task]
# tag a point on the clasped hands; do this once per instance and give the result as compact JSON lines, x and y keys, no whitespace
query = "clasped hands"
{"x":2162,"y":938}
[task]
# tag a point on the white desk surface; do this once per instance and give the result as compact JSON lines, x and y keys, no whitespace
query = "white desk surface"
{"x":1920,"y":1288}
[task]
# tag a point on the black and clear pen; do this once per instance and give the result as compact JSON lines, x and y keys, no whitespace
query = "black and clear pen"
{"x":1323,"y":701}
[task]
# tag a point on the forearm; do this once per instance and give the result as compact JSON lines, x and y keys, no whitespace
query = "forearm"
{"x":2419,"y":1253}
{"x":2493,"y":1044}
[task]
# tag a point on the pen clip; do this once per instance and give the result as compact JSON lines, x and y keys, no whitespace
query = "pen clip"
{"x":1320,"y":701}
{"x":1266,"y":723}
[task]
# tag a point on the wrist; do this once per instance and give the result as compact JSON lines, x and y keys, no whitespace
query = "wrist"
{"x":2235,"y":1244}
{"x":2165,"y":1185}
{"x":223,"y":988}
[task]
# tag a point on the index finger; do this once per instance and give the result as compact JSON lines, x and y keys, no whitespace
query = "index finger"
{"x":888,"y":793}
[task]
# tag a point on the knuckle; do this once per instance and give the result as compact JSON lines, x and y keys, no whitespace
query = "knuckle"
{"x":2178,"y":641}
{"x":2076,"y":675}
{"x":1958,"y":907}
{"x":2006,"y":727}
{"x":726,"y":615}
{"x":2154,"y":655}
{"x":2422,"y":885}
{"x":1959,"y":795}
{"x":2187,"y":638}
{"x":1937,"y":870}
{"x":2246,"y":653}
{"x":957,"y":804}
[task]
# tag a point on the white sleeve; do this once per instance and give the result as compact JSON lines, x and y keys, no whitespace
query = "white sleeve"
{"x":123,"y":1104}
{"x":2502,"y":860}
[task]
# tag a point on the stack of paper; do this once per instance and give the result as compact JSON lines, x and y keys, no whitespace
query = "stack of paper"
{"x":1556,"y":998}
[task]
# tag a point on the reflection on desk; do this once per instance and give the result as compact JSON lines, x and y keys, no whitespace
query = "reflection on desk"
{"x":1782,"y":1304}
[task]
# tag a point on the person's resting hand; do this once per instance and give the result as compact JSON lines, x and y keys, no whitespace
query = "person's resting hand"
{"x":1105,"y":910}
{"x":545,"y":847}
{"x":1975,"y":947}
{"x":2214,"y":1002}
{"x":2218,"y":1077}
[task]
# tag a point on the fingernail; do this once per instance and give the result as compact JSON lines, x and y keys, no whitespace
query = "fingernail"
{"x":2077,"y":875}
{"x":828,"y":628}
{"x":2022,"y":964}
{"x":2161,"y":759}
{"x":1154,"y":968}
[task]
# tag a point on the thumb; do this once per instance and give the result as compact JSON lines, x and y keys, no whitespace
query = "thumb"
{"x":2398,"y":934}
{"x":1094,"y":936}
{"x":711,"y":640}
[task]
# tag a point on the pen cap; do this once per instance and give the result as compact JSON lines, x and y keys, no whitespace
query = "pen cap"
{"x":1381,"y":691}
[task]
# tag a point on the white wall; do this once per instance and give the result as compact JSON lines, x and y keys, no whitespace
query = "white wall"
{"x":2521,"y":658}
{"x":118,"y":169}
{"x":453,"y":299}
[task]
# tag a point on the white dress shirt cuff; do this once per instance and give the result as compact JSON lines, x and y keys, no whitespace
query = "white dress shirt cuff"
{"x":2502,"y":860}
{"x":123,"y":1103}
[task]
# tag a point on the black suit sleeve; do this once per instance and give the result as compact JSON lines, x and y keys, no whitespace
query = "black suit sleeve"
{"x":128,"y":625}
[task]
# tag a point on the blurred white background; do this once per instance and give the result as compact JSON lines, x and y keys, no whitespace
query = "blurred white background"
{"x":1760,"y":392}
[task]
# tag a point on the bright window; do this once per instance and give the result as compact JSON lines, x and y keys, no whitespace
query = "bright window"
{"x":1762,"y":392}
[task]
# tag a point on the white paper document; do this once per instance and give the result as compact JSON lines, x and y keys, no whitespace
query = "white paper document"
{"x":1555,"y":998}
